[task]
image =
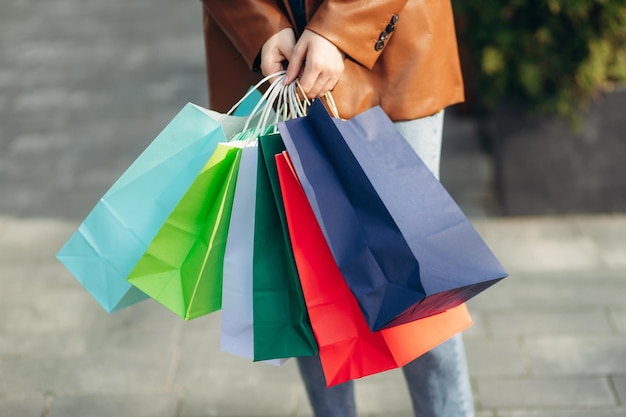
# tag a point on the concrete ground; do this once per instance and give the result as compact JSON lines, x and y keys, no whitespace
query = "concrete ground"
{"x":84,"y":87}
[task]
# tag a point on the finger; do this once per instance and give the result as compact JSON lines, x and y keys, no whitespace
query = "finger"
{"x":309,"y":78}
{"x":328,"y":86}
{"x":271,"y":59}
{"x":276,"y":50}
{"x":331,"y":81}
{"x":319,"y":87}
{"x":306,"y":84}
{"x":325,"y":82}
{"x":317,"y":79}
{"x":296,"y":63}
{"x":268,"y":68}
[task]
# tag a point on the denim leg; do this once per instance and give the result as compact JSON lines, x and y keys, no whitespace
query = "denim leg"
{"x":336,"y":401}
{"x":425,"y":136}
{"x":438,"y":381}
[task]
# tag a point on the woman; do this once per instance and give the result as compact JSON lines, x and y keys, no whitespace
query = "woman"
{"x":397,"y":54}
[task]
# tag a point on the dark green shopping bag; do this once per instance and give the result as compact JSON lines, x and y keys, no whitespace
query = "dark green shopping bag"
{"x":183,"y":265}
{"x":281,"y":323}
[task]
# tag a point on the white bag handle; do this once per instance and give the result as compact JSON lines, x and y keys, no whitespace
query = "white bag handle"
{"x":256,"y":86}
{"x":332,"y":106}
{"x":288,"y":104}
{"x":274,"y":94}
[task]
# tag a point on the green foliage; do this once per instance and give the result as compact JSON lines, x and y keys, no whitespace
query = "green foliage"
{"x":552,"y":56}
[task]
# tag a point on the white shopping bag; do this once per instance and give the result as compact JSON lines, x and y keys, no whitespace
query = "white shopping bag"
{"x":236,"y":328}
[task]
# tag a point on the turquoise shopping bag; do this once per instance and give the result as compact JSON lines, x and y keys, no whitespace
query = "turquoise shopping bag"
{"x":115,"y":234}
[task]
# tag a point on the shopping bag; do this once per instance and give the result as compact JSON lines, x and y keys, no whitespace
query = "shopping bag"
{"x":348,"y":348}
{"x":236,"y":317}
{"x":404,"y":247}
{"x":236,"y":330}
{"x":183,"y":265}
{"x":281,"y":325}
{"x":110,"y":241}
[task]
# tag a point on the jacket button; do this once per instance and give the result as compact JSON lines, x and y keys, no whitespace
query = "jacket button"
{"x":379,"y":45}
{"x":390,"y":27}
{"x":383,"y":36}
{"x":394,"y":19}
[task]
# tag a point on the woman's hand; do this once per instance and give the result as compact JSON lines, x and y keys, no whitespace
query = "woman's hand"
{"x":317,"y":62}
{"x":276,"y":50}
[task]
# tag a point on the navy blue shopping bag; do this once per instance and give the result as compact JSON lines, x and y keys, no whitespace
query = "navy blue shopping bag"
{"x":404,"y":247}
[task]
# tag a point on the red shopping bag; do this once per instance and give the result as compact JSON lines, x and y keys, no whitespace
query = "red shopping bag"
{"x":348,"y":348}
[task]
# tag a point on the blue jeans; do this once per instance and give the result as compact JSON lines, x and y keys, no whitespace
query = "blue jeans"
{"x":438,"y":381}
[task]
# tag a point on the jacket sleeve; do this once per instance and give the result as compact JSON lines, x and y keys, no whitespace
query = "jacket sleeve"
{"x":248,"y":23}
{"x":360,"y":28}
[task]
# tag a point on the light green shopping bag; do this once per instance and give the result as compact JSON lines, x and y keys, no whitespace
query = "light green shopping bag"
{"x":182,"y":267}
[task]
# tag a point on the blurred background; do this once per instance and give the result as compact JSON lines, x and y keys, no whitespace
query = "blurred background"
{"x":534,"y":158}
{"x":545,"y":81}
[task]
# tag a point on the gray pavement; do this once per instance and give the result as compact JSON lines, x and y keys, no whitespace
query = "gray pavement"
{"x":84,"y":86}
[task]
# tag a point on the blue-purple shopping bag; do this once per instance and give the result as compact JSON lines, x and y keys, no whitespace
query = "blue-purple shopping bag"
{"x":404,"y":247}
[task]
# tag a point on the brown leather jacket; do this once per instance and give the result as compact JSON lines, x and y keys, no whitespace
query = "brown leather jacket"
{"x":400,"y":54}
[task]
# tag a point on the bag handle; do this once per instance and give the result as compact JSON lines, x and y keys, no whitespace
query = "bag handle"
{"x":273,"y":95}
{"x":288,"y":103}
{"x":303,"y":104}
{"x":255,"y":87}
{"x":264,"y":106}
{"x":331,"y":105}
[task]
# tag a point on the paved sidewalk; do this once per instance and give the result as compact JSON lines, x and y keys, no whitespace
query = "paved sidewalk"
{"x":84,"y":87}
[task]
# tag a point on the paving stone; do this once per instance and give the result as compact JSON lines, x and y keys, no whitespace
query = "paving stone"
{"x":583,"y":412}
{"x":145,"y":327}
{"x":542,"y":393}
{"x":548,"y":322}
{"x":200,"y":369}
{"x":478,"y":330}
{"x":27,"y":344}
{"x":155,"y":404}
{"x":89,"y":374}
{"x":228,"y":401}
{"x":202,"y":365}
{"x":577,"y":355}
{"x":619,"y":382}
{"x":608,"y":232}
{"x":31,"y":147}
{"x":302,"y":405}
{"x":62,"y":99}
{"x":32,"y":239}
{"x":22,"y":407}
{"x":498,"y":357}
{"x":540,"y":244}
{"x":45,"y":315}
{"x":618,"y":315}
{"x":24,"y":199}
{"x":564,"y":289}
{"x":47,"y":275}
{"x":383,"y":393}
